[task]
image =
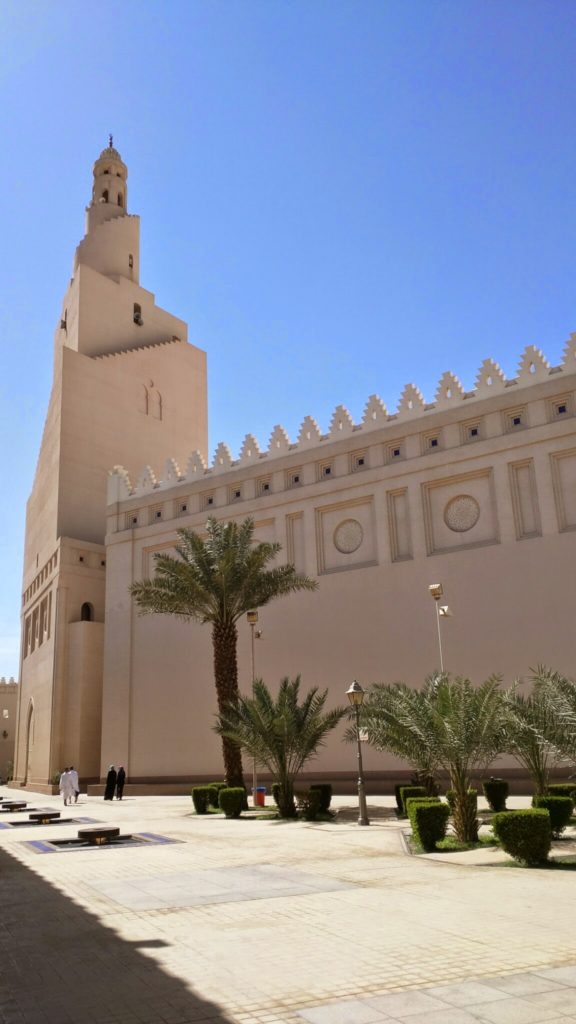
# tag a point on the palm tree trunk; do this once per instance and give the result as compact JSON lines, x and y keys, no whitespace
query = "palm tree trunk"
{"x":465,"y":820}
{"x":224,"y":642}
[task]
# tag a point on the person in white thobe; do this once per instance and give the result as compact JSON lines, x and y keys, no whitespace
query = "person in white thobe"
{"x":74,"y":776}
{"x":66,"y":787}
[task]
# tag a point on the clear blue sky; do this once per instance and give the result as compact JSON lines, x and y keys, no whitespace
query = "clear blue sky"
{"x":339,"y":197}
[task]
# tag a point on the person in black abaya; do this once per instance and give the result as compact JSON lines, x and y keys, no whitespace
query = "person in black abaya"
{"x":110,"y":783}
{"x":120,"y":780}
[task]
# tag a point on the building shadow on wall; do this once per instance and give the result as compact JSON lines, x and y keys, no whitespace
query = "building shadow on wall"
{"x":60,"y":964}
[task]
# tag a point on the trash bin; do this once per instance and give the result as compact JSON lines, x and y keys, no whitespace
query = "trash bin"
{"x":259,"y":796}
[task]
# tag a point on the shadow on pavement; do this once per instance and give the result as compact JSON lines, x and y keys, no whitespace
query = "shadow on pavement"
{"x":60,"y":965}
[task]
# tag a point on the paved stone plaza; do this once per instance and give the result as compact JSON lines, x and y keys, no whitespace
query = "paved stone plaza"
{"x":263,"y":922}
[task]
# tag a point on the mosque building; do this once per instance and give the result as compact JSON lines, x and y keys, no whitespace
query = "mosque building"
{"x":475,"y":490}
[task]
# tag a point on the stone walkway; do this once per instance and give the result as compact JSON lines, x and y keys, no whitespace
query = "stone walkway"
{"x":263,"y":922}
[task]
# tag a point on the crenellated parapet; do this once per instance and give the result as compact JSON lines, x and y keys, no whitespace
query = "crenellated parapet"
{"x":450,"y":394}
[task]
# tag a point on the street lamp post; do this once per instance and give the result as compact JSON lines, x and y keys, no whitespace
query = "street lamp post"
{"x":355,"y":695}
{"x":255,"y":634}
{"x":436,"y":591}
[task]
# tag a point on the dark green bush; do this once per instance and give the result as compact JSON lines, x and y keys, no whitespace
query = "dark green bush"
{"x":398,"y":796}
{"x":407,"y":791}
{"x":421,"y":800}
{"x":308,"y":802}
{"x":563,"y":789}
{"x":525,"y":835}
{"x":216,"y":786}
{"x":204,"y":797}
{"x":232,"y":800}
{"x":429,"y":820}
{"x":559,"y":808}
{"x":496,"y":792}
{"x":325,"y":791}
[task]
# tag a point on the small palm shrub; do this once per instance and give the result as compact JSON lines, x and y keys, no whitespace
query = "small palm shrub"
{"x":559,"y":808}
{"x":496,"y":793}
{"x":406,"y":792}
{"x":231,"y":800}
{"x":308,"y":803}
{"x":325,"y":791}
{"x":204,"y":797}
{"x":525,"y":835}
{"x":429,"y":820}
{"x":563,"y":789}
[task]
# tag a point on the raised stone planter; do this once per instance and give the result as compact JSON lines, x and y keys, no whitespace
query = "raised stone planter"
{"x":43,"y":817}
{"x":99,"y":836}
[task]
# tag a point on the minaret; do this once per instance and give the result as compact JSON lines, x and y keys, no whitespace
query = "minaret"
{"x":128,"y":389}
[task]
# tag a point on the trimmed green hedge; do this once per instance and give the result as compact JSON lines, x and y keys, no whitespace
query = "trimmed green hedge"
{"x":563,"y":789}
{"x":407,"y":791}
{"x":308,"y":803}
{"x":559,"y":808}
{"x":525,"y":835}
{"x":216,"y":786}
{"x":204,"y":797}
{"x":231,"y":800}
{"x":429,"y":820}
{"x":496,"y":792}
{"x":472,"y":797}
{"x":325,"y":791}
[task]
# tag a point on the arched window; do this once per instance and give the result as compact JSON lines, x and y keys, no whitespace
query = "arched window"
{"x":105,"y":195}
{"x":120,"y":199}
{"x":87,"y":612}
{"x":138,"y":314}
{"x":131,"y":261}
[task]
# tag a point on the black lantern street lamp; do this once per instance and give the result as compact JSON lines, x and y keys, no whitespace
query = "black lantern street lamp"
{"x":355,"y":695}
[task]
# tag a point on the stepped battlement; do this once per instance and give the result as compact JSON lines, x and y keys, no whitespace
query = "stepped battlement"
{"x":450,"y":395}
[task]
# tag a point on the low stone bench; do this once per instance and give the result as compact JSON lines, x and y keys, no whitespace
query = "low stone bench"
{"x":99,"y":836}
{"x":43,"y":817}
{"x":14,"y":805}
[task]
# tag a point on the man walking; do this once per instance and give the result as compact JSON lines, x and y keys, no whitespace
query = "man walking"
{"x":75,"y":782}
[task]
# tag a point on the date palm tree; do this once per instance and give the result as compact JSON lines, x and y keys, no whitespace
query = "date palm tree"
{"x":280,"y":733}
{"x":535,"y":733}
{"x":216,"y":579}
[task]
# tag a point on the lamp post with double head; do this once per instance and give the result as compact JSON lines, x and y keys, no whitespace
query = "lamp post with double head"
{"x":255,"y":634}
{"x":355,"y":695}
{"x":436,"y":591}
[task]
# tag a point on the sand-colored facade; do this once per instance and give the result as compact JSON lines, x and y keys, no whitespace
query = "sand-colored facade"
{"x":476,"y":490}
{"x":8,"y":712}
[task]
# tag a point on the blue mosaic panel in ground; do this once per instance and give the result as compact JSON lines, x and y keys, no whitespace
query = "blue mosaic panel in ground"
{"x":76,"y":846}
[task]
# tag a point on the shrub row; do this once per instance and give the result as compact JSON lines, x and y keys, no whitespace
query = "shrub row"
{"x":559,"y":808}
{"x":219,"y":795}
{"x":429,"y":820}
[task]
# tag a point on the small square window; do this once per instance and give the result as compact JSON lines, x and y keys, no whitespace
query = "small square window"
{"x":360,"y":461}
{"x":184,"y":507}
{"x":474,"y":431}
{"x":296,"y":479}
{"x":396,"y":453}
{"x":103,"y":563}
{"x":210,"y":501}
{"x":561,"y":409}
{"x":516,"y":421}
{"x":265,"y":487}
{"x":81,"y":558}
{"x":159,"y":514}
{"x":134,"y":520}
{"x":326,"y":470}
{"x":433,"y":442}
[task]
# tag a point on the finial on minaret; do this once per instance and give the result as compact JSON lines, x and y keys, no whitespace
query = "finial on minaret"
{"x":110,"y":141}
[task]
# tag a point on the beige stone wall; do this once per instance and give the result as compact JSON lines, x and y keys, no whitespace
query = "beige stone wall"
{"x":8,"y":714}
{"x":376,"y":516}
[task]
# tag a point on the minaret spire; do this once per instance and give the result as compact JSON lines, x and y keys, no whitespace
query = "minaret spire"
{"x":110,"y":141}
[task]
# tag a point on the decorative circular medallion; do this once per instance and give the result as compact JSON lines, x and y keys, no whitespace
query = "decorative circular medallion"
{"x":462,"y":513}
{"x":348,"y":536}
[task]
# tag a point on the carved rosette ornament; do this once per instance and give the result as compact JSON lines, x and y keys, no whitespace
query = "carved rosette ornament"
{"x":348,"y":536}
{"x":461,"y":513}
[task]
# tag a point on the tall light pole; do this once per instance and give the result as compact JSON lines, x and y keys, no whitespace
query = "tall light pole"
{"x":355,"y":695}
{"x":255,"y":634}
{"x":436,"y":591}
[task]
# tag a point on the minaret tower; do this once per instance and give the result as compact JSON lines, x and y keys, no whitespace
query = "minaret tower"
{"x":128,"y":389}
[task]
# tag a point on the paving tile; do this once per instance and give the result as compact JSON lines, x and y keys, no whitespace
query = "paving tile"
{"x":349,"y":1012}
{"x":563,"y":975}
{"x":401,"y":1004}
{"x":522,"y":984}
{"x":514,"y":1011}
{"x":452,"y":1015}
{"x":562,"y":1000}
{"x":466,"y":993}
